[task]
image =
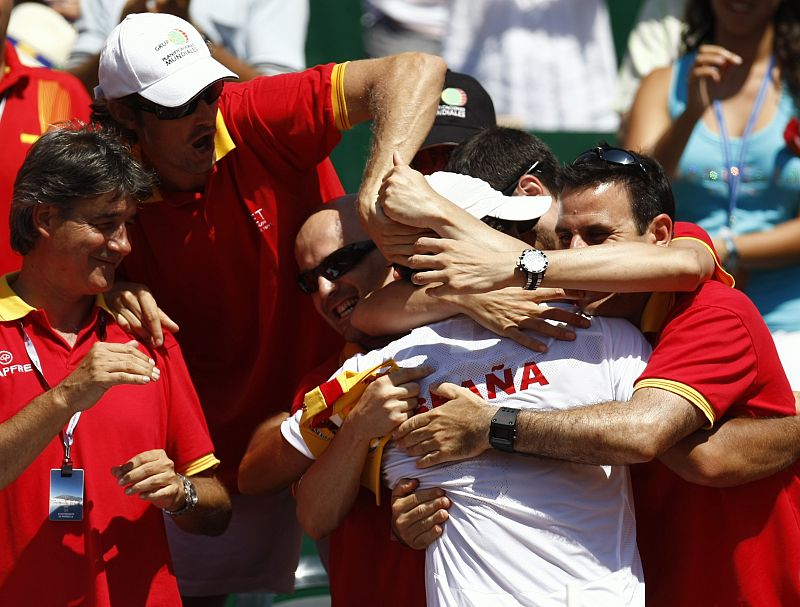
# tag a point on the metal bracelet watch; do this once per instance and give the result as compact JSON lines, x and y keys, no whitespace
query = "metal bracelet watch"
{"x":190,"y":496}
{"x":503,"y":429}
{"x":533,"y":264}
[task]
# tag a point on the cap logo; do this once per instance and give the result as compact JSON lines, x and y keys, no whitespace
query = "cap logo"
{"x":178,"y":37}
{"x":454,"y":96}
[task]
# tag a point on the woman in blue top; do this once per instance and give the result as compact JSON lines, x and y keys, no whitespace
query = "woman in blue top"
{"x":715,"y":120}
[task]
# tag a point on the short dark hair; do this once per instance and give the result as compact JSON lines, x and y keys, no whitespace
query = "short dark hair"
{"x":70,"y":163}
{"x":644,"y":180}
{"x":101,"y":115}
{"x":500,"y":156}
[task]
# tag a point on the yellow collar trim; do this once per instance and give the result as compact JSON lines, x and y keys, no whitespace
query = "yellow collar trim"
{"x":13,"y":307}
{"x":656,"y":311}
{"x":222,"y":139}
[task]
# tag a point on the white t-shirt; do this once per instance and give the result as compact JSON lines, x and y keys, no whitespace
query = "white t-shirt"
{"x":524,"y":530}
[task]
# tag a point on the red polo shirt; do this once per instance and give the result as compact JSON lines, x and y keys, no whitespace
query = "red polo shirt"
{"x":703,"y":546}
{"x":221,"y":262}
{"x":118,"y":554}
{"x":32,"y":98}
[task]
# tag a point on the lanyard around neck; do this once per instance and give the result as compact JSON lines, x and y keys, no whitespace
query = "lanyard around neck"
{"x":68,"y":434}
{"x":735,"y":170}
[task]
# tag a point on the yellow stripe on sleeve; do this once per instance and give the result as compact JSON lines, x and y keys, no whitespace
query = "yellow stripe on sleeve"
{"x":340,"y":115}
{"x":207,"y":462}
{"x":684,"y":391}
{"x":720,"y":272}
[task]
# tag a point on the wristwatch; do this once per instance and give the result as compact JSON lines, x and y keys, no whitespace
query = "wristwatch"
{"x":190,"y":496}
{"x":503,"y":429}
{"x":533,"y":264}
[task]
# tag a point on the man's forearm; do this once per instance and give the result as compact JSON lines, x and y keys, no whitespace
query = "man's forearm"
{"x":611,"y":433}
{"x":213,"y":511}
{"x":738,"y":451}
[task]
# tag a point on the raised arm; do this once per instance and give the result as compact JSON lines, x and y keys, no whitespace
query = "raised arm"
{"x":400,"y":94}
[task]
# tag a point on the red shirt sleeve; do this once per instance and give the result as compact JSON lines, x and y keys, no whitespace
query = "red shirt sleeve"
{"x":684,"y":229}
{"x":188,"y":440}
{"x":716,"y":352}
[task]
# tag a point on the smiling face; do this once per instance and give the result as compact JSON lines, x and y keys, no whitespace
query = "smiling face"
{"x":83,"y":248}
{"x":323,"y":233}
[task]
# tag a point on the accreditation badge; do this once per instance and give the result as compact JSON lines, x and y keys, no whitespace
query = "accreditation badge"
{"x":66,"y":494}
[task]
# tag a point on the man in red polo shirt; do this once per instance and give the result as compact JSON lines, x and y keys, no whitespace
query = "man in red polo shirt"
{"x":239,"y":170}
{"x":31,"y":99}
{"x":95,"y":429}
{"x":727,"y":543}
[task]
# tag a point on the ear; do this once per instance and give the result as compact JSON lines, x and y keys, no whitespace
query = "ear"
{"x":530,"y":185}
{"x":45,"y":219}
{"x":660,"y":229}
{"x":123,"y":113}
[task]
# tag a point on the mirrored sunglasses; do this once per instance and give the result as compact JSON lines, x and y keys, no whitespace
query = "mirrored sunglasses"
{"x":335,"y":265}
{"x":209,"y":94}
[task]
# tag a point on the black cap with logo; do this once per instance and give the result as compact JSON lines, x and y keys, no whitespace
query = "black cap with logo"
{"x":464,"y":109}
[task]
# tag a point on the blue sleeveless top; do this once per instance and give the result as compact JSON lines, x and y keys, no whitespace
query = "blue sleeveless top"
{"x":769,"y":194}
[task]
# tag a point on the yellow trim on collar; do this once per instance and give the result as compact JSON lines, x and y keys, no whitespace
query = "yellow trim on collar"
{"x":13,"y":307}
{"x":719,"y":271}
{"x":655,"y":312}
{"x":222,"y":139}
{"x":684,"y":391}
{"x":340,"y":115}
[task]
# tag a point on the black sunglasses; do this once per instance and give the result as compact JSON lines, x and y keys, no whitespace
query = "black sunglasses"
{"x":506,"y":226}
{"x":209,"y":94}
{"x":335,"y":265}
{"x":509,"y":190}
{"x":611,"y":156}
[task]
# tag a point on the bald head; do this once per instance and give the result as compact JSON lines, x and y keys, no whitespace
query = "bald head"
{"x":334,"y":226}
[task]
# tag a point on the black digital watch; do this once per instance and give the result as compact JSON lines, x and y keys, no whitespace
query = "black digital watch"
{"x":503,"y":429}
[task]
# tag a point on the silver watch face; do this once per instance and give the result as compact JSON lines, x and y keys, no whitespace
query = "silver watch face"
{"x":533,"y":261}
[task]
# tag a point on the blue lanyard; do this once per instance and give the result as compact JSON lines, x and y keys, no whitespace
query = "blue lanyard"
{"x":735,"y":170}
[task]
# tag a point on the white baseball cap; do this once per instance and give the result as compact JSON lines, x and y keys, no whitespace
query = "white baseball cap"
{"x":479,"y":199}
{"x":161,"y":57}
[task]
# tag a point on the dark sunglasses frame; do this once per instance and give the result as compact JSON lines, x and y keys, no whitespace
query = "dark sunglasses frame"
{"x":209,"y":94}
{"x":611,"y":156}
{"x":509,"y":189}
{"x":506,"y":225}
{"x":335,"y":265}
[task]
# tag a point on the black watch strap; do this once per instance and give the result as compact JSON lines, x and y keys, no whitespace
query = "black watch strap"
{"x":503,"y":429}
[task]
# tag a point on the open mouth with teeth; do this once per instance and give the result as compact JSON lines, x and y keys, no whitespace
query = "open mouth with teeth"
{"x":345,"y":308}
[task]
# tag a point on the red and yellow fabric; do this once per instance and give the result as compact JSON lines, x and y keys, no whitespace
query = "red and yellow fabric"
{"x":326,"y":407}
{"x":231,"y":247}
{"x":702,"y":545}
{"x":32,"y":99}
{"x":118,"y":555}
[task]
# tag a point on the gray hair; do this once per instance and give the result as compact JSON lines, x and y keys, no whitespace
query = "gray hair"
{"x":70,"y":163}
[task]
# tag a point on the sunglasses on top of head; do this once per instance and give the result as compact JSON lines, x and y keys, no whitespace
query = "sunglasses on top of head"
{"x":335,"y":265}
{"x":209,"y":94}
{"x":611,"y":156}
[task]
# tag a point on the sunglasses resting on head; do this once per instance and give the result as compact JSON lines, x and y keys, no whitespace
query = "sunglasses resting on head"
{"x":611,"y":156}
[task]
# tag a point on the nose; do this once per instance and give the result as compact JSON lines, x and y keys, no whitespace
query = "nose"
{"x":324,"y":286}
{"x":119,"y":242}
{"x":577,"y":242}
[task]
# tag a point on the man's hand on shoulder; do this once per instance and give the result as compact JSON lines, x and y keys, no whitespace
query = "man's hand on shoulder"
{"x":136,"y":311}
{"x":453,"y":431}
